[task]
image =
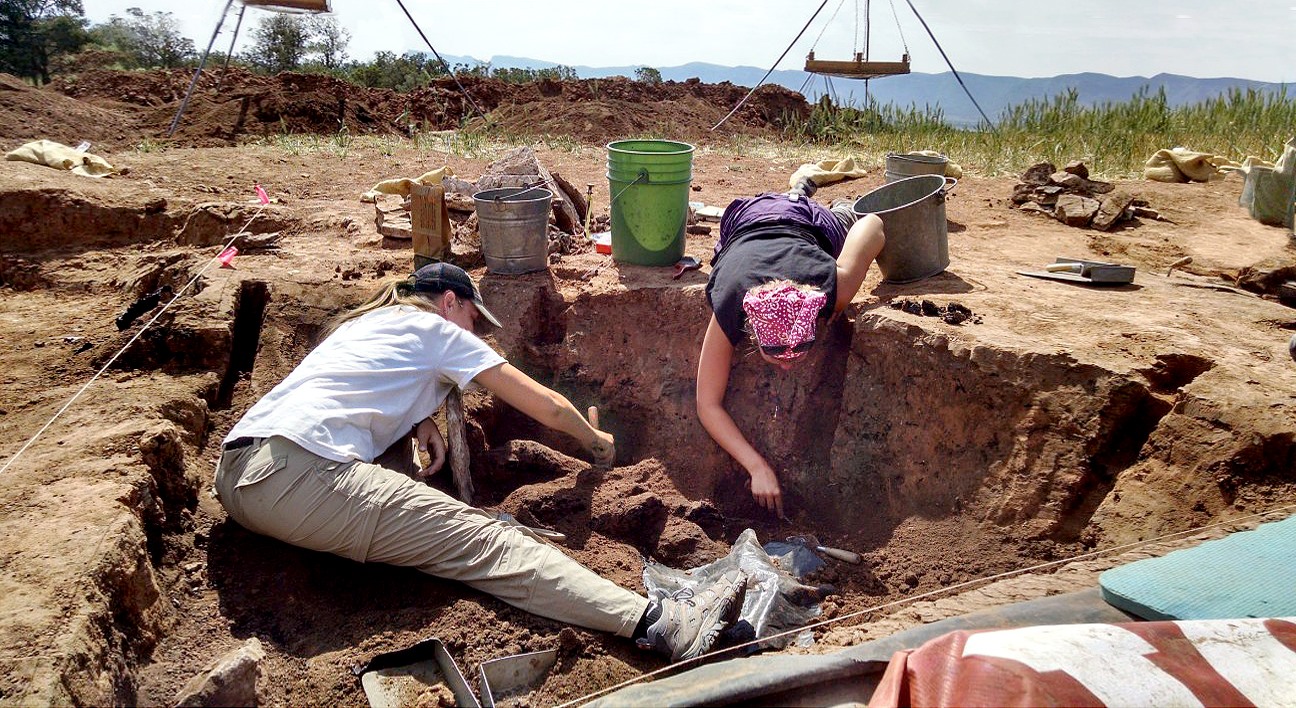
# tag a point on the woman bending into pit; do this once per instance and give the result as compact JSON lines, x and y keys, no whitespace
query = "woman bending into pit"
{"x":299,"y":466}
{"x":783,"y":266}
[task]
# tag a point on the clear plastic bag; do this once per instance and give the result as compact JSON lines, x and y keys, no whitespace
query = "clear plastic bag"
{"x":775,"y":602}
{"x":795,"y":558}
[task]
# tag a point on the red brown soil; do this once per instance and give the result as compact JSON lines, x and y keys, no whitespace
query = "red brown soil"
{"x":27,"y":114}
{"x":239,"y":105}
{"x":1067,"y":419}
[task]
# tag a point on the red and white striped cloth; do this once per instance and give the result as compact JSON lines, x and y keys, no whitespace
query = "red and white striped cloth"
{"x":1236,"y":662}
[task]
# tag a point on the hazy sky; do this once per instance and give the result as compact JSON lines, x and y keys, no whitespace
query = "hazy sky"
{"x":1249,"y":39}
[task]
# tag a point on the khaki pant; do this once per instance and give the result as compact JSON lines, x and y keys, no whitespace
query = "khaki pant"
{"x":371,"y":514}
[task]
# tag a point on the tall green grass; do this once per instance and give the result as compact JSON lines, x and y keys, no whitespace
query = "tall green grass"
{"x":1114,"y":138}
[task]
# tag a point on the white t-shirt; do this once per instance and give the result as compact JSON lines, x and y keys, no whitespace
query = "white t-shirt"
{"x":369,"y":383}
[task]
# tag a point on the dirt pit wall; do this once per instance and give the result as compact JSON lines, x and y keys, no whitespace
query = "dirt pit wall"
{"x":902,"y":417}
{"x":938,"y":452}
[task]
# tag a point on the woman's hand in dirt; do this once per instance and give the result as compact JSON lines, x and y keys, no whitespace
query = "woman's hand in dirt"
{"x":603,"y":448}
{"x":765,"y":489}
{"x":427,"y":434}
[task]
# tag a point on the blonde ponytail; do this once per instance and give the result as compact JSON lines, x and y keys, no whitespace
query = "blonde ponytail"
{"x":396,"y":292}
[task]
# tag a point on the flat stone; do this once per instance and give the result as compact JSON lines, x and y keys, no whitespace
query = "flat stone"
{"x":1090,"y":186}
{"x":1075,"y":210}
{"x":1066,"y":180}
{"x":459,"y":202}
{"x":230,"y":680}
{"x":1038,"y":174}
{"x":1111,"y":210}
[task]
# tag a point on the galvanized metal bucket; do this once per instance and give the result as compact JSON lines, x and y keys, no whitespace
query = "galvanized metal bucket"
{"x":900,"y":166}
{"x":514,"y":228}
{"x":913,"y":216}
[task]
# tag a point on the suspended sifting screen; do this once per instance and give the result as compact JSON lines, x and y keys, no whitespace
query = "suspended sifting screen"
{"x":311,"y":6}
{"x":857,"y":69}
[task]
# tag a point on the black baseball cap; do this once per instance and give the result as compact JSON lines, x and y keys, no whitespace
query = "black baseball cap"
{"x":440,"y":277}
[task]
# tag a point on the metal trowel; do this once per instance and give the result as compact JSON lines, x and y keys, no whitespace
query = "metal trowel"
{"x":812,"y":543}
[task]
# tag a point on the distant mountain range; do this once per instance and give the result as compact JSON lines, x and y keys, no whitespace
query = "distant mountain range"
{"x":993,"y":93}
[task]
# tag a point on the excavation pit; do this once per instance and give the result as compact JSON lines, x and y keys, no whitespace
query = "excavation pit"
{"x":1064,"y":421}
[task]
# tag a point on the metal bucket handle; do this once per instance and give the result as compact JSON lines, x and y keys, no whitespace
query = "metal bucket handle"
{"x":950,"y":184}
{"x":643,"y":177}
{"x":525,"y":188}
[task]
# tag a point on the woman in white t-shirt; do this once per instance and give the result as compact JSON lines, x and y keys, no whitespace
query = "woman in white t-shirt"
{"x":300,"y":466}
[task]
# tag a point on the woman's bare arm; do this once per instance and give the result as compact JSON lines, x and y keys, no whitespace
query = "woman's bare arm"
{"x":864,"y":242}
{"x":546,"y":406}
{"x":712,"y":382}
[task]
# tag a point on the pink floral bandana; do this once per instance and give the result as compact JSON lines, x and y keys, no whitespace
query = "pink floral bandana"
{"x":784,"y":319}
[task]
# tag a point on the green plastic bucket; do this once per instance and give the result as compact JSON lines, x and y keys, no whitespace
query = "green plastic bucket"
{"x":649,"y":184}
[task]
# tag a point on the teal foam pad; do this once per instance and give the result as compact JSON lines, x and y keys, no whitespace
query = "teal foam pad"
{"x":1245,"y":574}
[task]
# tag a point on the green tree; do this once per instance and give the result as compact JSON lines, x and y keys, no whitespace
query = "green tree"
{"x":280,"y":42}
{"x":35,"y":32}
{"x":647,"y":75}
{"x":562,"y":72}
{"x":145,"y":40}
{"x":406,"y":72}
{"x":516,"y":75}
{"x":329,"y":41}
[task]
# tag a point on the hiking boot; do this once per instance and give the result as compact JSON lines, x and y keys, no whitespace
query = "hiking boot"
{"x":690,"y":621}
{"x":804,"y":187}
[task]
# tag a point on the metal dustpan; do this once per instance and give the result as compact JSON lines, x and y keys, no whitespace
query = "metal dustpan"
{"x":1075,"y":270}
{"x":407,"y":676}
{"x":505,"y":679}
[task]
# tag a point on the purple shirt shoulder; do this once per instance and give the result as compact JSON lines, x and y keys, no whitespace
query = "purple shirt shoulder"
{"x":778,"y":208}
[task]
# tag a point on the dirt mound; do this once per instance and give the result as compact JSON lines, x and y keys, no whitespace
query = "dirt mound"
{"x":139,"y":88}
{"x":28,"y":113}
{"x":243,"y":104}
{"x":608,"y":109}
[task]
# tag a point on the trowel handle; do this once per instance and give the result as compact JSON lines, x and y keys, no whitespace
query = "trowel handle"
{"x":841,"y":555}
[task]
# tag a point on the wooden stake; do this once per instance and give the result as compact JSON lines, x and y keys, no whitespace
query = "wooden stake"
{"x":457,"y":444}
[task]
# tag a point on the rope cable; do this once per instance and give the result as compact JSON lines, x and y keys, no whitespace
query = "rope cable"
{"x":868,"y":26}
{"x":855,"y":39}
{"x":772,"y":68}
{"x":809,"y":77}
{"x":167,"y":306}
{"x":444,"y":63}
{"x":921,"y":596}
{"x":899,"y":29}
{"x":827,"y":25}
{"x":951,"y":66}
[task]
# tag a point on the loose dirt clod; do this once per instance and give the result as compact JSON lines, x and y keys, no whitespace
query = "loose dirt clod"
{"x":950,"y":313}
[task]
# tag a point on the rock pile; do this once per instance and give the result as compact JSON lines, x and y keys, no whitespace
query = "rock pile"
{"x":519,"y":168}
{"x":1069,"y":196}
